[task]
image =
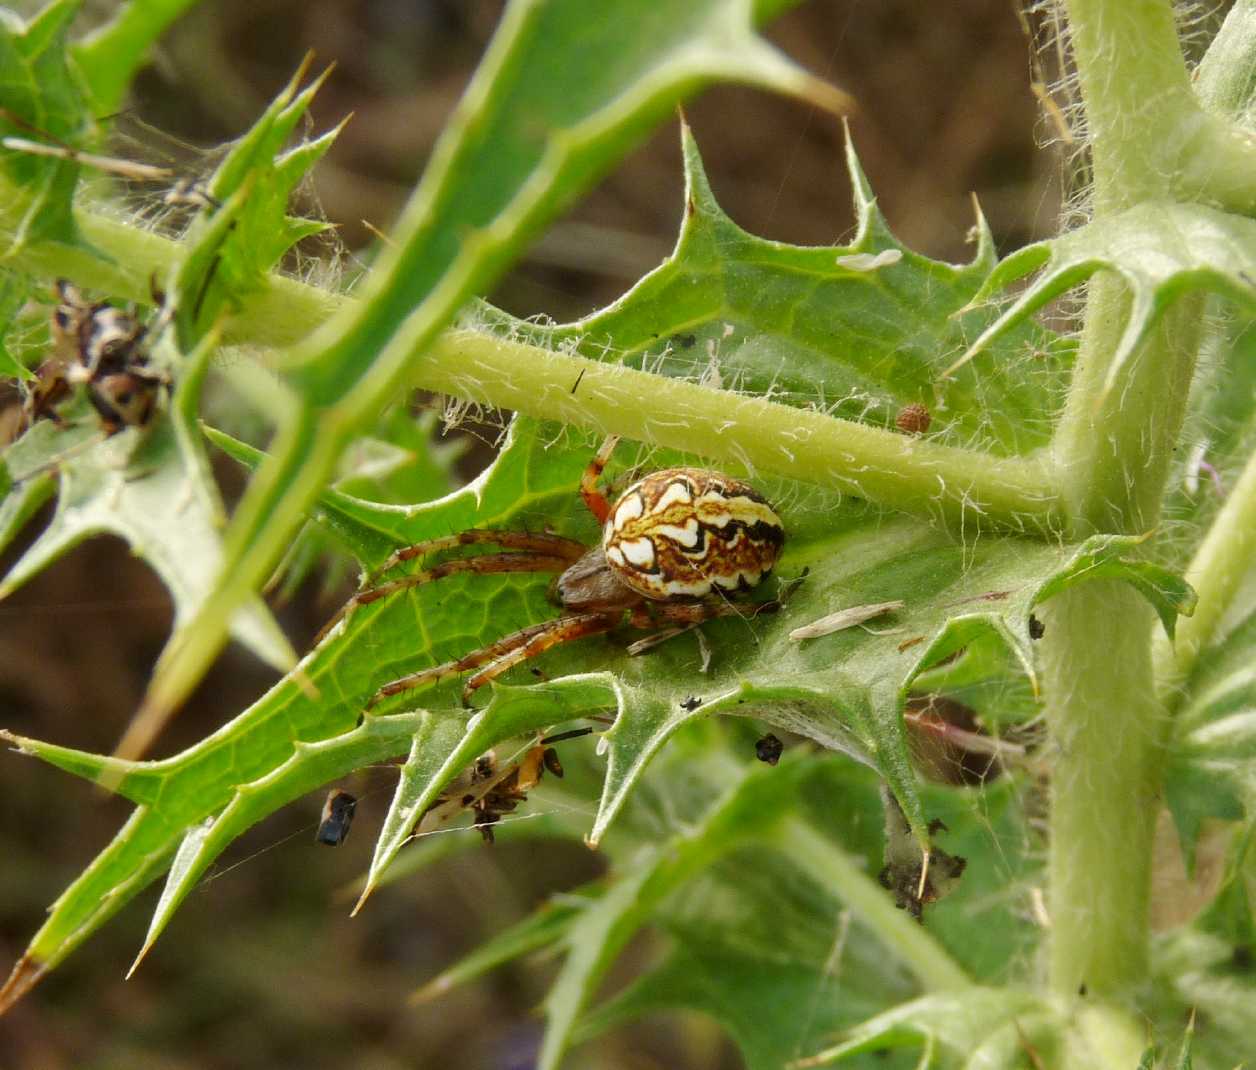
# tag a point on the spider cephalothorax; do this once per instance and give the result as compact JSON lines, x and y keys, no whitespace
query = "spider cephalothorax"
{"x":675,"y":547}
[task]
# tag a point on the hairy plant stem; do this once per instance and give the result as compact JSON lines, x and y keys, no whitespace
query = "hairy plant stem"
{"x":962,"y":489}
{"x":745,"y":432}
{"x":1104,"y":721}
{"x":1222,"y":560}
{"x":1226,"y":81}
{"x":1113,"y":449}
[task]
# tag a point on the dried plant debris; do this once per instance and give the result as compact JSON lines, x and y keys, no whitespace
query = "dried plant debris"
{"x":914,"y":877}
{"x":844,"y":618}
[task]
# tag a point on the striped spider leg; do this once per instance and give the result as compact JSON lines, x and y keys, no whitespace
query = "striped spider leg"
{"x":532,"y":641}
{"x":505,"y":653}
{"x":525,"y":553}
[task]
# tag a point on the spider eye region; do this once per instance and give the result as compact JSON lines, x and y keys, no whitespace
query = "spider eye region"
{"x":687,"y":533}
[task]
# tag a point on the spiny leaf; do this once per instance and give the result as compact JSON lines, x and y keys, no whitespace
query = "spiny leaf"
{"x":556,"y":811}
{"x":236,"y":787}
{"x":439,"y":755}
{"x":544,"y":930}
{"x":858,"y":330}
{"x":321,"y":701}
{"x":783,"y":956}
{"x":242,"y":233}
{"x":997,"y":1021}
{"x":40,"y":98}
{"x":1159,"y":250}
{"x":245,"y":229}
{"x":1212,"y":763}
{"x":13,"y":291}
{"x":748,"y":808}
{"x":557,"y":99}
{"x":143,"y":487}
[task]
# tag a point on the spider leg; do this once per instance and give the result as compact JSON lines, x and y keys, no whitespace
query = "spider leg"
{"x":542,"y":637}
{"x":554,"y":545}
{"x":653,"y":613}
{"x":649,"y":642}
{"x":448,"y":669}
{"x":683,"y":616}
{"x":501,"y":654}
{"x":597,"y":502}
{"x":521,"y":561}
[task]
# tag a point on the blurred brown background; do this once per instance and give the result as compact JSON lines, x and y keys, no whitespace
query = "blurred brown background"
{"x":263,"y":967}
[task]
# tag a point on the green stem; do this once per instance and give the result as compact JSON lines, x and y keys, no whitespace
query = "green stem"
{"x":749,"y":432}
{"x":1105,"y":1037}
{"x":110,"y":56}
{"x":1136,"y":90}
{"x":1224,"y":557}
{"x":964,"y":489}
{"x":1113,"y":450}
{"x":834,"y":869}
{"x":1226,"y":79}
{"x":1114,"y":446}
{"x":1104,"y":720}
{"x":1219,"y":163}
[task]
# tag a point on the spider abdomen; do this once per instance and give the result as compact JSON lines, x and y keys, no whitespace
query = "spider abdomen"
{"x":688,"y":532}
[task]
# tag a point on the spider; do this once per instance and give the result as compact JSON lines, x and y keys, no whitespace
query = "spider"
{"x":103,"y":347}
{"x":675,"y":546}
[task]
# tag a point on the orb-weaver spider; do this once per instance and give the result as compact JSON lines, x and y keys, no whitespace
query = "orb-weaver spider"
{"x":103,"y":347}
{"x":675,"y":545}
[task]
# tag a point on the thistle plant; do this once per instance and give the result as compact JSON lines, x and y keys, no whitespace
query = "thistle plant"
{"x":1054,"y":515}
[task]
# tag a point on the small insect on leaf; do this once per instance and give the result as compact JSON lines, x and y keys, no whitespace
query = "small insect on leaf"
{"x":913,"y":419}
{"x":338,"y":810}
{"x":550,"y":759}
{"x":768,"y":749}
